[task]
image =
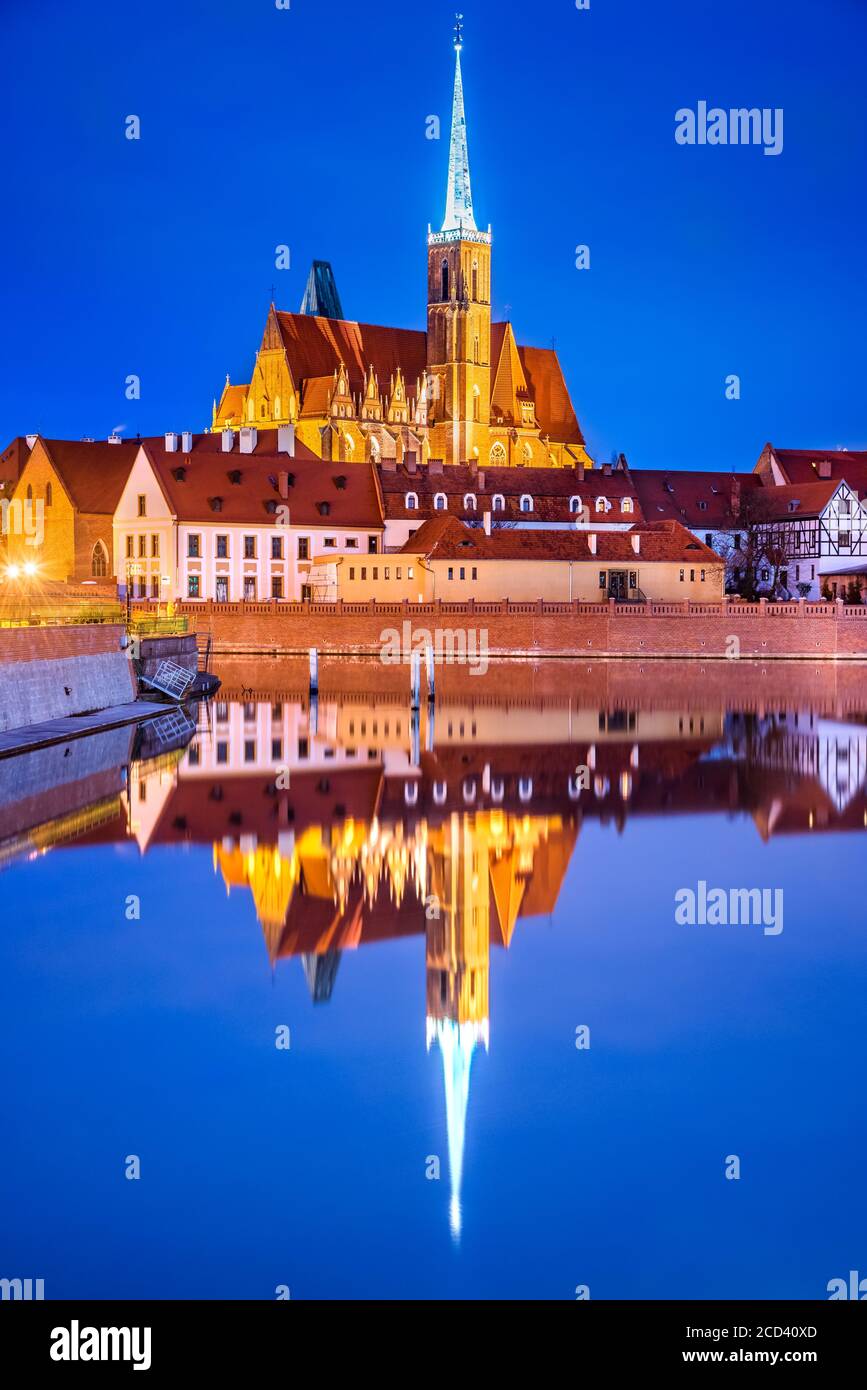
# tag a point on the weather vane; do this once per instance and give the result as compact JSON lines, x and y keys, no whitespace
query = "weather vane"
{"x":459,"y":31}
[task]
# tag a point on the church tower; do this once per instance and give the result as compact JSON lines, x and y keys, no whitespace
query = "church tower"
{"x":459,"y":309}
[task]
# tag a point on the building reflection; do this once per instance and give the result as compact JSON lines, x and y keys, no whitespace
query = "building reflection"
{"x":343,"y":833}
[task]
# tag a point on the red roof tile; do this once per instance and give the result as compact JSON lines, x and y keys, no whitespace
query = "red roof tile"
{"x":349,"y":489}
{"x":315,"y":346}
{"x":93,"y":472}
{"x":446,"y":538}
{"x":802,"y":465}
{"x":550,"y":488}
{"x":696,"y":499}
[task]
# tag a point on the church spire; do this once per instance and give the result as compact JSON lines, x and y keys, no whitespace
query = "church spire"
{"x":459,"y":198}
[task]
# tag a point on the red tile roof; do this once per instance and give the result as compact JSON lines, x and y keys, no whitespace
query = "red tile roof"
{"x":92,"y":472}
{"x":349,"y":489}
{"x":802,"y":465}
{"x":446,"y":538}
{"x":550,"y":488}
{"x":784,"y":503}
{"x":315,"y":346}
{"x":696,"y":499}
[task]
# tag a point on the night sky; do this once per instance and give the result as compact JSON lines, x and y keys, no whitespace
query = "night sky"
{"x":306,"y":127}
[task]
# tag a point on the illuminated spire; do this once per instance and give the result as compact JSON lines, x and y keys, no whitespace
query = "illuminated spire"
{"x":459,"y":198}
{"x":457,"y":1043}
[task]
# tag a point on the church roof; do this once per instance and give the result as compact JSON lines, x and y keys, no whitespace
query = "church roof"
{"x":543,"y":380}
{"x":316,"y":346}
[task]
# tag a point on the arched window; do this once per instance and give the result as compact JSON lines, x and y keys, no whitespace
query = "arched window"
{"x":251,"y":409}
{"x":499,"y":502}
{"x":527,"y":452}
{"x":277,"y":404}
{"x":575,"y":505}
{"x":475,"y":280}
{"x":29,"y":493}
{"x":469,"y":502}
{"x":411,"y":501}
{"x":476,"y":394}
{"x":441,"y":502}
{"x":497,"y":454}
{"x":526,"y":502}
{"x":601,"y":504}
{"x":374,"y":449}
{"x":626,"y":504}
{"x":444,"y":280}
{"x":99,"y":561}
{"x":49,"y":494}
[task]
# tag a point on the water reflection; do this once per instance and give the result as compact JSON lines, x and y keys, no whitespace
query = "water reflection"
{"x":344,"y":833}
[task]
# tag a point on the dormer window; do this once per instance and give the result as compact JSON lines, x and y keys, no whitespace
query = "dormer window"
{"x":702,"y":506}
{"x":601,"y":504}
{"x":411,"y":501}
{"x":440,"y":502}
{"x":469,"y":502}
{"x":498,"y":503}
{"x":626,"y":504}
{"x":526,"y":502}
{"x":575,"y":505}
{"x":794,"y":505}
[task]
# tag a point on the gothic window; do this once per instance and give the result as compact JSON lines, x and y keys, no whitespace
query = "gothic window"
{"x":476,"y":285}
{"x":575,"y":504}
{"x":470,"y":502}
{"x":476,"y":394}
{"x":444,"y":280}
{"x":526,"y":502}
{"x":277,"y":404}
{"x":251,"y":408}
{"x":411,"y":501}
{"x":440,"y":502}
{"x":626,"y":504}
{"x":99,"y":561}
{"x":499,"y":502}
{"x":49,"y":494}
{"x":29,"y":493}
{"x":527,"y":453}
{"x":497,"y":454}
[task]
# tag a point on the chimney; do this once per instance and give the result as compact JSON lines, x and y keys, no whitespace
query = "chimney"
{"x":248,"y":439}
{"x":481,"y":480}
{"x":171,"y":443}
{"x":580,"y":472}
{"x":636,"y":541}
{"x":283,"y":484}
{"x":31,"y":440}
{"x":114,"y":439}
{"x":486,"y":518}
{"x":435,"y":466}
{"x":286,"y":440}
{"x":736,"y":496}
{"x":410,"y":464}
{"x":228,"y":437}
{"x":187,"y":441}
{"x":591,"y":542}
{"x":606,"y":470}
{"x":823,"y":467}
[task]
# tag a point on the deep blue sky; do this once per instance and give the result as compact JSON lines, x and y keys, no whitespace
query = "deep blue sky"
{"x":307,"y":127}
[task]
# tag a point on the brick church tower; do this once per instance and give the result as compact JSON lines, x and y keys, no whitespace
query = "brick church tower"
{"x":459,"y":310}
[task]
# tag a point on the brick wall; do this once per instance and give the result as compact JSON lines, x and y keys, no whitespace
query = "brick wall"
{"x":49,"y":672}
{"x":709,"y":631}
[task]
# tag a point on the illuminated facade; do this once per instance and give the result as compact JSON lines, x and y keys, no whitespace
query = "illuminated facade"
{"x":464,"y":391}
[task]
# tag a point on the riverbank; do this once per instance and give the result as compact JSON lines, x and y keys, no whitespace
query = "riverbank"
{"x":467,"y":631}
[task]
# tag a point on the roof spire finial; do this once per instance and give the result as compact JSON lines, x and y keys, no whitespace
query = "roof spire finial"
{"x":459,"y":198}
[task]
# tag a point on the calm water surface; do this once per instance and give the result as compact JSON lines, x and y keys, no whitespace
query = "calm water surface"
{"x":426,"y":928}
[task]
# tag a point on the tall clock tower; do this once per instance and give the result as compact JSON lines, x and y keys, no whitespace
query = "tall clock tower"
{"x":459,"y":309}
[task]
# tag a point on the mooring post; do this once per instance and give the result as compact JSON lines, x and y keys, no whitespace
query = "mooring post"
{"x":415,"y":680}
{"x":429,"y":664}
{"x":314,"y":671}
{"x":415,"y":735}
{"x":431,"y":726}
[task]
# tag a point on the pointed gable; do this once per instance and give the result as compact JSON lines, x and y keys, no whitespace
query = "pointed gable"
{"x":509,"y":379}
